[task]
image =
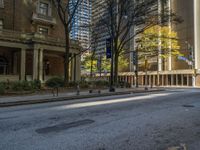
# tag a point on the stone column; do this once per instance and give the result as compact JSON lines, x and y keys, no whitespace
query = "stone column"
{"x":78,"y":68}
{"x":182,"y":79}
{"x":35,"y":64}
{"x":154,"y":80}
{"x":170,"y":41}
{"x":150,"y":80}
{"x":177,"y":80}
{"x":197,"y":33}
{"x":41,"y":65}
{"x":188,"y":80}
{"x":15,"y":63}
{"x":163,"y":80}
{"x":23,"y":64}
{"x":159,"y":34}
{"x":172,"y":80}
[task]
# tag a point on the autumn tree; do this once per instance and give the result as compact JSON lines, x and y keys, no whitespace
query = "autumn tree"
{"x":148,"y":42}
{"x":158,"y":42}
{"x":90,"y":63}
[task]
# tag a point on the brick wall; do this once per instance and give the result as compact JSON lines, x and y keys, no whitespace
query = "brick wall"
{"x":17,"y":15}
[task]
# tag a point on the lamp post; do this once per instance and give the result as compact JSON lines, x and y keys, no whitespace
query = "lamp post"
{"x":146,"y":67}
{"x":190,"y":48}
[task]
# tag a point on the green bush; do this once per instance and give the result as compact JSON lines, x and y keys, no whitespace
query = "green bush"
{"x":55,"y":82}
{"x":72,"y":84}
{"x":84,"y":84}
{"x":24,"y":86}
{"x":101,"y":83}
{"x":16,"y":86}
{"x":2,"y":88}
{"x":36,"y":84}
{"x":124,"y":84}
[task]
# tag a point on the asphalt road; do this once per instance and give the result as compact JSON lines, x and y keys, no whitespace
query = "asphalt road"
{"x":159,"y":121}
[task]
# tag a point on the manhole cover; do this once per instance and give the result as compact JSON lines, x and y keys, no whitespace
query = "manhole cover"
{"x":63,"y":126}
{"x":188,"y":106}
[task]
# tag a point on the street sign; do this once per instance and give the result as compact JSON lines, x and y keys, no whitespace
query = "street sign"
{"x":108,"y":48}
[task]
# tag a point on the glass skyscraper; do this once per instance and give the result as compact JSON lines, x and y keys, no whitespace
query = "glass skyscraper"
{"x":80,"y":28}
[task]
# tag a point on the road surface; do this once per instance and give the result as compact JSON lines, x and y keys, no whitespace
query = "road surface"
{"x":159,"y":121}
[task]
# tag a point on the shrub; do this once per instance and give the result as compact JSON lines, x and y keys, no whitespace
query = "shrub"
{"x":84,"y":84}
{"x":124,"y":84}
{"x":2,"y":88}
{"x":55,"y":82}
{"x":101,"y":83}
{"x":16,"y":86}
{"x":72,"y":84}
{"x":24,"y":86}
{"x":36,"y":84}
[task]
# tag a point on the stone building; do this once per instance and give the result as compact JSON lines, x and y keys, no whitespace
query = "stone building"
{"x":32,"y":42}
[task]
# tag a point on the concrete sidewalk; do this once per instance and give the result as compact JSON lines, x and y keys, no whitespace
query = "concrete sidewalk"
{"x":43,"y":98}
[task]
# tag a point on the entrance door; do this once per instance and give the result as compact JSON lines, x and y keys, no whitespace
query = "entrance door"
{"x":3,"y":65}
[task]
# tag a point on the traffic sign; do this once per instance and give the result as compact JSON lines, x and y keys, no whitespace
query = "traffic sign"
{"x":108,"y":48}
{"x":134,"y":58}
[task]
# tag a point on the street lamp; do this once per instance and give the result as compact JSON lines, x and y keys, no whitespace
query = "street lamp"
{"x":146,"y":66}
{"x":191,"y":52}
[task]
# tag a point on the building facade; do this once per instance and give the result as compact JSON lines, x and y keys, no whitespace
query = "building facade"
{"x":171,"y":71}
{"x":32,"y":42}
{"x":174,"y":71}
{"x":80,"y":29}
{"x":99,"y":32}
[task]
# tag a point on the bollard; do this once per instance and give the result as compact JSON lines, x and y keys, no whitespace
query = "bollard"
{"x":78,"y":90}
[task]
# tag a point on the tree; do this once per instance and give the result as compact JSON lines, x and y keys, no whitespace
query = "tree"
{"x":66,"y":10}
{"x":90,"y":61}
{"x":149,"y":42}
{"x":121,"y":16}
{"x":158,"y":42}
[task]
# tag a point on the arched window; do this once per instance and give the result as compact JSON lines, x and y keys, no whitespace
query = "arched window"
{"x":3,"y":65}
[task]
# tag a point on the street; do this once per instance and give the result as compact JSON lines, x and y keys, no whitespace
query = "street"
{"x":158,"y":121}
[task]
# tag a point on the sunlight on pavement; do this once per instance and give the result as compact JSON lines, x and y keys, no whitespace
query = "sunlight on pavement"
{"x":181,"y":147}
{"x":114,"y":101}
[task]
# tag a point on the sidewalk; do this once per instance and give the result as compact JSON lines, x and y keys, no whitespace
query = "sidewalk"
{"x":44,"y":98}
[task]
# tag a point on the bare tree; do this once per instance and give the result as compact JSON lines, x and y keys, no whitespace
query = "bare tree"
{"x":66,"y":10}
{"x":119,"y":18}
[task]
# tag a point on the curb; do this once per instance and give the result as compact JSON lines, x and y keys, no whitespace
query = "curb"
{"x":29,"y":102}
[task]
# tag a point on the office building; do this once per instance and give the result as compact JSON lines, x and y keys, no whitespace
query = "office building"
{"x":80,"y":29}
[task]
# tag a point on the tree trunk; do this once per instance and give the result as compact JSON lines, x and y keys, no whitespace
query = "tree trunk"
{"x":66,"y":61}
{"x":91,"y":68}
{"x":116,"y":69}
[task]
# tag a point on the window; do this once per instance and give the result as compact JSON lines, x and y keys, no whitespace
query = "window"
{"x":44,"y":8}
{"x":43,"y":30}
{"x":1,"y":24}
{"x":1,"y":4}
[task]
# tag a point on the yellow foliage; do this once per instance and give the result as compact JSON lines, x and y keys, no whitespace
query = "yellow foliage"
{"x":159,"y":37}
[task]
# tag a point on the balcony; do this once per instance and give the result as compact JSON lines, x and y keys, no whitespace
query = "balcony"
{"x":36,"y":17}
{"x":29,"y":38}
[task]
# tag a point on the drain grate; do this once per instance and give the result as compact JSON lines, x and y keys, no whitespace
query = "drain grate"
{"x":64,"y":126}
{"x":188,"y":106}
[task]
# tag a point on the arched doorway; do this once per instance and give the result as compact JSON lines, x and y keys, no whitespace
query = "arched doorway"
{"x":3,"y":65}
